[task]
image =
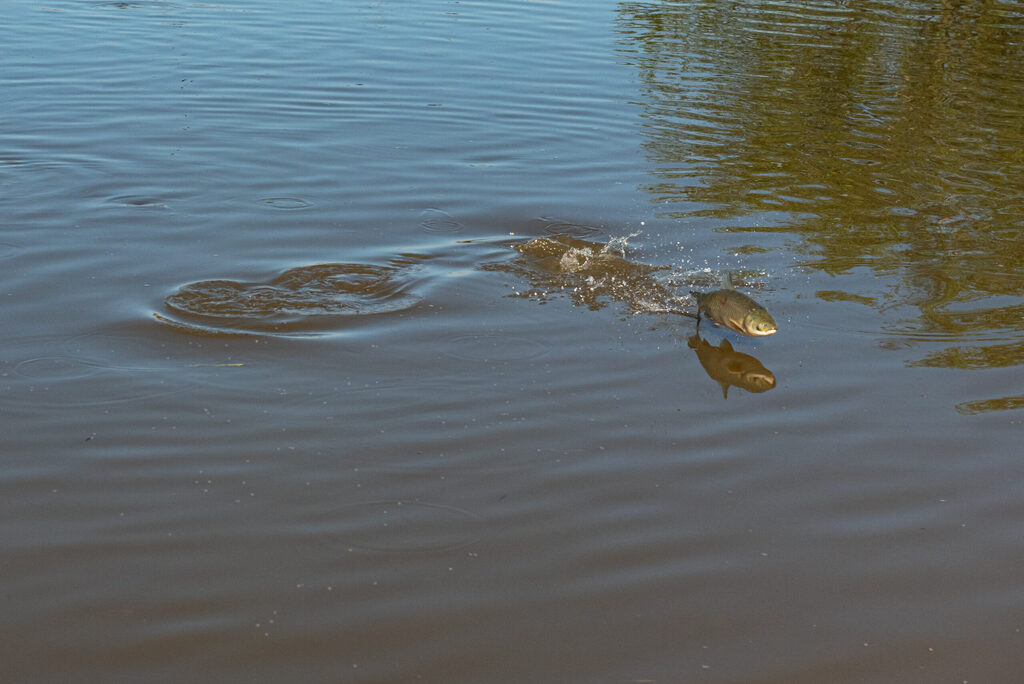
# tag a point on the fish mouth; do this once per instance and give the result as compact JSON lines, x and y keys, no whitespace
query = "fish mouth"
{"x":760,"y":382}
{"x":759,"y":324}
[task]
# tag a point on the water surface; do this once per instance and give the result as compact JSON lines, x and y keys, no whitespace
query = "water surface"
{"x":342,"y":342}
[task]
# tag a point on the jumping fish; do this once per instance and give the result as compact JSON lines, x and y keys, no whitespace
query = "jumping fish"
{"x":736,"y":311}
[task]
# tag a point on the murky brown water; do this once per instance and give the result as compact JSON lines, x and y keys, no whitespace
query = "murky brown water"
{"x":347,"y":342}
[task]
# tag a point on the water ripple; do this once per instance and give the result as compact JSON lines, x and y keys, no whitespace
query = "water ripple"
{"x":437,"y":221}
{"x":287,"y":203}
{"x":304,"y":300}
{"x":139,"y":201}
{"x":75,"y":380}
{"x":8,"y":250}
{"x":396,"y":525}
{"x":494,"y":347}
{"x":56,"y":368}
{"x":576,"y":230}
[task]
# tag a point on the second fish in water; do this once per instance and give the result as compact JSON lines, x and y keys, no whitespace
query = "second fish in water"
{"x":736,"y":311}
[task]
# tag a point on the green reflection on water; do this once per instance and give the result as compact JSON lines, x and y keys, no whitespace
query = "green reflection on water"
{"x":890,"y":134}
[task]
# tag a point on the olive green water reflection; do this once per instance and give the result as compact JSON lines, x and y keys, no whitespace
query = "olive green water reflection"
{"x":886,"y":135}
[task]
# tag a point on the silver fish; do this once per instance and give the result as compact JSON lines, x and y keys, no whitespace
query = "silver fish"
{"x":736,"y":311}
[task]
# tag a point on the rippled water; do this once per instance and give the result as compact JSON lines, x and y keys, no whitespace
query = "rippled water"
{"x":349,"y":342}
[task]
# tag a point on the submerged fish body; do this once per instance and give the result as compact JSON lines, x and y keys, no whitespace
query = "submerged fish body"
{"x":736,"y":311}
{"x":732,"y":368}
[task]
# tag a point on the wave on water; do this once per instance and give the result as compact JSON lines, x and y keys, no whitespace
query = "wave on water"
{"x":306,"y":300}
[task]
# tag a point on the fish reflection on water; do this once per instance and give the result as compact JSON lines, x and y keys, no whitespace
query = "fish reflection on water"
{"x":730,"y":368}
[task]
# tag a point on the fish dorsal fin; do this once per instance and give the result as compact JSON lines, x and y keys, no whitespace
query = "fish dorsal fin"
{"x":726,"y":278}
{"x":725,"y":346}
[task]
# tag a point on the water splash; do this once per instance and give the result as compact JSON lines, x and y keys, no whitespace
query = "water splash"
{"x":592,"y":274}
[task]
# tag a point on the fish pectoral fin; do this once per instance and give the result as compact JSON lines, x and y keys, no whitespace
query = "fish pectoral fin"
{"x":725,"y":389}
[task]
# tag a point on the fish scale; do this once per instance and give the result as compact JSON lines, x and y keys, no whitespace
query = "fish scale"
{"x":736,"y":311}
